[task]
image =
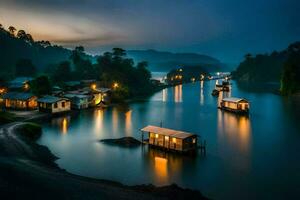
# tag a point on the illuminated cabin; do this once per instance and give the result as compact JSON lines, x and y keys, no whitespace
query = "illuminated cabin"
{"x":233,"y":104}
{"x":78,"y":101}
{"x":170,"y":139}
{"x":52,"y":104}
{"x":20,"y":100}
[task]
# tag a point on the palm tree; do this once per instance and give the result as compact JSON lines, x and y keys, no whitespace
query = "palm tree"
{"x":12,"y":30}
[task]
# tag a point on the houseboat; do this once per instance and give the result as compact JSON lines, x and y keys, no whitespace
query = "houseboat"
{"x":169,"y":139}
{"x":52,"y":104}
{"x":20,"y":101}
{"x":237,"y":105}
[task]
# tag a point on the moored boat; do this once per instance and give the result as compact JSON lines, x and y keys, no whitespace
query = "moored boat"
{"x":237,"y":105}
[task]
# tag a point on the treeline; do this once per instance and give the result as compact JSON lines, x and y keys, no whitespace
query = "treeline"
{"x":73,"y":65}
{"x":110,"y":68}
{"x":280,"y":67}
{"x":17,"y":45}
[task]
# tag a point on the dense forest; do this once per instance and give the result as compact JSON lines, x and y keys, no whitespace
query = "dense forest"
{"x":278,"y":67}
{"x":54,"y":65}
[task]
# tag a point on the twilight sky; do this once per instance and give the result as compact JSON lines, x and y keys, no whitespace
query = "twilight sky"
{"x":226,"y":29}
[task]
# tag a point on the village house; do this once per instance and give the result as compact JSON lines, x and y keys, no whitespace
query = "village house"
{"x":20,"y":100}
{"x":20,"y":83}
{"x":53,"y":104}
{"x":78,"y":101}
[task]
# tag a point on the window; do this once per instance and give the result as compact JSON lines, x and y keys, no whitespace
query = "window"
{"x":63,"y":104}
{"x":55,"y":105}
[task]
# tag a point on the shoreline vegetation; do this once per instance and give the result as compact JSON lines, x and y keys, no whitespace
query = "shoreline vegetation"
{"x":281,"y":67}
{"x":28,"y":170}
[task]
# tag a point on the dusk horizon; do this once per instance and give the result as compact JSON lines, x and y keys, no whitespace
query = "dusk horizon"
{"x":205,"y":27}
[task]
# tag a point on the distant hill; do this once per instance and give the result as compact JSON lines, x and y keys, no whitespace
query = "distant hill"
{"x":166,"y":61}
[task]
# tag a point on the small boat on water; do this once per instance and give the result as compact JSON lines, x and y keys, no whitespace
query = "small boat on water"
{"x":215,"y":92}
{"x":224,"y":86}
{"x":236,"y":105}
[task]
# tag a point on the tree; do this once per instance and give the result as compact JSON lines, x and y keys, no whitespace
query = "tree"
{"x":290,"y":81}
{"x":41,"y":86}
{"x":12,"y":30}
{"x":62,"y":72}
{"x":24,"y":67}
{"x":21,"y":35}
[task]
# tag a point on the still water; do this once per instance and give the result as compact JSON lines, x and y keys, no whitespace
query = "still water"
{"x":247,"y":157}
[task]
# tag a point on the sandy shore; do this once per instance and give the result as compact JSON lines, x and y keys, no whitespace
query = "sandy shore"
{"x":28,"y":171}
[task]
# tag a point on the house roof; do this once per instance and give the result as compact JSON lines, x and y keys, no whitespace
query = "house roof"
{"x":103,"y":90}
{"x":19,"y":82}
{"x":18,"y":95}
{"x":80,"y":96}
{"x":50,"y":99}
{"x":234,"y":99}
{"x":167,"y":132}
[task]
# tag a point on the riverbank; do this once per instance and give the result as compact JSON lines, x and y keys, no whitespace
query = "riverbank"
{"x":28,"y":170}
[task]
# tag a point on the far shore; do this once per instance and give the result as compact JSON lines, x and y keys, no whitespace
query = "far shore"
{"x":28,"y":171}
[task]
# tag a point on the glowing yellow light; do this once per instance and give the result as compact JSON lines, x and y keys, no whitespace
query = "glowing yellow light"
{"x":193,"y":79}
{"x":174,"y":140}
{"x":64,"y":126}
{"x":26,"y":86}
{"x":2,"y":90}
{"x":156,"y":135}
{"x":166,"y":137}
{"x":115,"y":85}
{"x":94,"y":86}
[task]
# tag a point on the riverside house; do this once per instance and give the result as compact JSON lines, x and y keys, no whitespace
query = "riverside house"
{"x":52,"y":104}
{"x":78,"y":101}
{"x":20,"y":101}
{"x":20,"y":84}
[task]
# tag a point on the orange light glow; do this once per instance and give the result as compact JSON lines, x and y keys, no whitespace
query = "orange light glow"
{"x":26,"y":86}
{"x":161,"y":168}
{"x":64,"y":127}
{"x":128,"y":123}
{"x":94,"y":86}
{"x":115,"y":85}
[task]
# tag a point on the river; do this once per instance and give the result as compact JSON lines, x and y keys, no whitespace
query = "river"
{"x":255,"y":157}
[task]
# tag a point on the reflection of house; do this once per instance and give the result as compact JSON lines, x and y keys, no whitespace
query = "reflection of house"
{"x":53,"y":104}
{"x":170,"y":139}
{"x":78,"y":101}
{"x":20,"y":83}
{"x":235,"y":105}
{"x":19,"y":100}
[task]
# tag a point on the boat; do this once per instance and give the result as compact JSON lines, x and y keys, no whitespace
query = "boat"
{"x":170,"y":140}
{"x":215,"y":92}
{"x":224,"y":86}
{"x":236,"y":105}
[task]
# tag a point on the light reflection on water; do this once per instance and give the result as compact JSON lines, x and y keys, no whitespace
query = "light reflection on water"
{"x":235,"y":143}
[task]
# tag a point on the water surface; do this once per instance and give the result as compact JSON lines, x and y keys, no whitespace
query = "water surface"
{"x":247,"y":157}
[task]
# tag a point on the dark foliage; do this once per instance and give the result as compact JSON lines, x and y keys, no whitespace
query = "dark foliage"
{"x":41,"y":85}
{"x":290,"y":81}
{"x":24,"y":67}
